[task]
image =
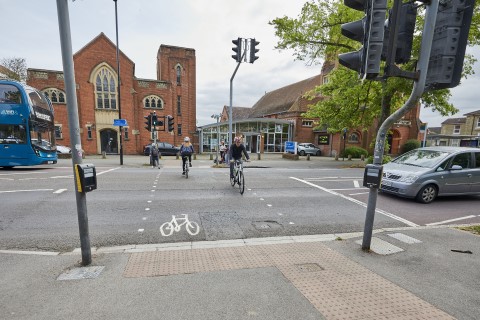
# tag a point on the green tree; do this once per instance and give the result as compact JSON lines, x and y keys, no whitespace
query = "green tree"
{"x":17,"y":68}
{"x":315,"y":37}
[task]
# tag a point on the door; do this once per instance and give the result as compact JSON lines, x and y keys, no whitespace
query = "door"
{"x":459,"y":181}
{"x":475,"y":174}
{"x":109,"y":142}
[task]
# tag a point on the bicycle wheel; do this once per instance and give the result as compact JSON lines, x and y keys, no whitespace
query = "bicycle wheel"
{"x":232,"y":181}
{"x":241,"y":182}
{"x":192,"y":228}
{"x":166,"y":229}
{"x":186,"y":171}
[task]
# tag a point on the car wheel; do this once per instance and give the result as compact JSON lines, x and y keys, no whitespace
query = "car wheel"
{"x":318,"y":153}
{"x":427,"y":194}
{"x":302,"y":153}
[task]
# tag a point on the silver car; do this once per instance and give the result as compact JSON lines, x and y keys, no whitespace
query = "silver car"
{"x":307,"y":148}
{"x":429,"y":172}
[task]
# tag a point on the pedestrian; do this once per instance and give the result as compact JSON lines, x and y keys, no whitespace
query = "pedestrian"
{"x":223,"y":149}
{"x":154,"y":155}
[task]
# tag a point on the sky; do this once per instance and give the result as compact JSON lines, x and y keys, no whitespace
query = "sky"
{"x":208,"y":26}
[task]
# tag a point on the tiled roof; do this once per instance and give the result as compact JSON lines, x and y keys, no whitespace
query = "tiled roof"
{"x":473,"y":113}
{"x":434,"y":130}
{"x":281,"y":100}
{"x":455,"y":121}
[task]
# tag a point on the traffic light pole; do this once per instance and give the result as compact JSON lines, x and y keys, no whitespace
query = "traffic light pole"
{"x":418,"y":89}
{"x":230,"y":135}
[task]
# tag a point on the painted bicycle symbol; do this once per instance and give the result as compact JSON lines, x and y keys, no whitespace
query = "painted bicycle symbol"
{"x":167,"y":228}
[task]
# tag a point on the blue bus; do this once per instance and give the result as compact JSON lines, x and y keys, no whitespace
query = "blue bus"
{"x":27,"y":127}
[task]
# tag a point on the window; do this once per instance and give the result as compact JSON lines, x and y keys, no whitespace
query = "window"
{"x":58,"y":132}
{"x":354,"y":138}
{"x":179,"y":105}
{"x":89,"y":132}
{"x":179,"y":75}
{"x":478,"y":122}
{"x":55,"y":95}
{"x":462,"y":159}
{"x":179,"y":129}
{"x":325,"y":80}
{"x":307,"y":123}
{"x":153,"y":102}
{"x":125,"y":131}
{"x":105,"y":89}
{"x":456,"y":129}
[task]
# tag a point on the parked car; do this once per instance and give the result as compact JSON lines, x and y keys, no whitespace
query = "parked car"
{"x":308,"y":148}
{"x":63,"y":149}
{"x":166,"y":149}
{"x":426,"y":173}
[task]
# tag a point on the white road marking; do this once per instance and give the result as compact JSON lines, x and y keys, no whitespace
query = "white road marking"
{"x":355,"y":194}
{"x":345,"y":189}
{"x":451,"y":220}
{"x":60,"y":191}
{"x":7,"y":179}
{"x":356,"y":184}
{"x":269,"y":205}
{"x":149,"y":201}
{"x":99,"y":173}
{"x":291,"y":223}
{"x":32,"y":190}
{"x":385,"y":213}
{"x":147,"y":209}
{"x":141,"y":230}
{"x":261,"y":199}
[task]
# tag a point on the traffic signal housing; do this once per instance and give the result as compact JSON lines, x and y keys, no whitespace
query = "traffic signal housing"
{"x":449,"y":44}
{"x":253,"y":50}
{"x":148,"y":122}
{"x":238,"y":49}
{"x":369,"y":31}
{"x":170,"y":123}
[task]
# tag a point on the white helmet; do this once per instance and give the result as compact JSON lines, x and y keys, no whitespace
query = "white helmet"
{"x":187,"y":139}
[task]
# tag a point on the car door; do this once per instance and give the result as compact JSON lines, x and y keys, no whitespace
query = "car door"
{"x":459,"y":181}
{"x":310,"y":148}
{"x":475,"y":173}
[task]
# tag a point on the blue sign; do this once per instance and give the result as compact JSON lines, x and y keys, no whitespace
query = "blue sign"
{"x":291,"y":146}
{"x":120,"y":122}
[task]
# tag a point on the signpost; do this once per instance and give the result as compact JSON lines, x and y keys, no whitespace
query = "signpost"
{"x":120,"y":122}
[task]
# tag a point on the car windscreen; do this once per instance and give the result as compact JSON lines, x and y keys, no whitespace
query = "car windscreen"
{"x":421,"y":158}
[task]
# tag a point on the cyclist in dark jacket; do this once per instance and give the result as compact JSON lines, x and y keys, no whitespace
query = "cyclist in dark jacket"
{"x":186,"y":151}
{"x":235,"y":153}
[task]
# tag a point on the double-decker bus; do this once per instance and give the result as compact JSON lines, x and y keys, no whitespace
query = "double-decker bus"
{"x":27,"y":130}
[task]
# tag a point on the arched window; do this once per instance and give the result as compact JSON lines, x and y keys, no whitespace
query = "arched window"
{"x":55,"y":95}
{"x":153,"y":102}
{"x":105,"y":89}
{"x":354,"y":137}
{"x":179,"y":75}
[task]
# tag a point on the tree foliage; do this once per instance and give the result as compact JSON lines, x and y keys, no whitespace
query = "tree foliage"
{"x":17,"y":68}
{"x":315,"y":36}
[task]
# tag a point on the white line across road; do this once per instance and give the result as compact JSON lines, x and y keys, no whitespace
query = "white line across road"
{"x":32,"y":190}
{"x":451,"y":220}
{"x":385,"y":213}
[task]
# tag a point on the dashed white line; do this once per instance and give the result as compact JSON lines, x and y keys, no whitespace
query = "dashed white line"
{"x":356,"y":184}
{"x":141,"y":230}
{"x":32,"y":190}
{"x":60,"y":191}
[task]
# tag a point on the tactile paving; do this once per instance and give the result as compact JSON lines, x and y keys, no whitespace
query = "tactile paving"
{"x":338,"y":287}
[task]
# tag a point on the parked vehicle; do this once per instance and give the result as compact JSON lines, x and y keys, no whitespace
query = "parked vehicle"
{"x":426,"y":173}
{"x":63,"y":149}
{"x":308,"y":148}
{"x":166,"y":149}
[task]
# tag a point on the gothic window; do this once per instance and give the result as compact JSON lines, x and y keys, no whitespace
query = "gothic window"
{"x":105,"y":89}
{"x":55,"y":95}
{"x":179,"y":75}
{"x":153,"y":102}
{"x":354,"y":138}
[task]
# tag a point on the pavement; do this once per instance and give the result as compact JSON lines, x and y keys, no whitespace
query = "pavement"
{"x":409,"y":273}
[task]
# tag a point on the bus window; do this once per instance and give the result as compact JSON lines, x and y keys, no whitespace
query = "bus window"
{"x":10,"y":94}
{"x":38,"y":99}
{"x":10,"y":134}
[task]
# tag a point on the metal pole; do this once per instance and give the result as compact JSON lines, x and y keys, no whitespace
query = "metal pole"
{"x":118,"y":86}
{"x":418,"y":88}
{"x":425,"y":135}
{"x":231,"y":94}
{"x":73,"y":124}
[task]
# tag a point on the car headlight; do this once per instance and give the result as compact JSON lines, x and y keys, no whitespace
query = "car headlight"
{"x":411,"y":178}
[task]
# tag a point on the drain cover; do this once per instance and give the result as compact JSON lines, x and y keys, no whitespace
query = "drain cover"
{"x":81,"y":273}
{"x":267,"y":225}
{"x":309,"y":267}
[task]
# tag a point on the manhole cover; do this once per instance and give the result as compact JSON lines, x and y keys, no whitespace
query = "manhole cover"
{"x":309,"y":267}
{"x":81,"y":273}
{"x":266,"y":225}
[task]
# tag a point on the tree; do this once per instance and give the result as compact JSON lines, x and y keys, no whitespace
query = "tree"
{"x":17,"y":68}
{"x":315,"y":37}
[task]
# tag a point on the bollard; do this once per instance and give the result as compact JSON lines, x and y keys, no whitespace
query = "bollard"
{"x":104,"y":155}
{"x":362,"y":157}
{"x":336,"y":157}
{"x":308,"y":157}
{"x":211,"y":156}
{"x":177,"y":156}
{"x":259,"y":156}
{"x":194,"y":156}
{"x":350,"y":157}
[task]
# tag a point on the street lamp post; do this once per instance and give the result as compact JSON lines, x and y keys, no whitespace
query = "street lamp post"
{"x":217,"y":117}
{"x":118,"y":86}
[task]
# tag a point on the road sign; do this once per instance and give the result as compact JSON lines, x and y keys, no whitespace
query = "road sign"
{"x":120,"y":122}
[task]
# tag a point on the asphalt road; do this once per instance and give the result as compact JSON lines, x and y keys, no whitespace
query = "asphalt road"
{"x":131,"y":203}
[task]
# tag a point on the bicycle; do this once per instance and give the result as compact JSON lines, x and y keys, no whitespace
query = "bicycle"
{"x":167,"y":228}
{"x":186,"y":167}
{"x":238,"y":177}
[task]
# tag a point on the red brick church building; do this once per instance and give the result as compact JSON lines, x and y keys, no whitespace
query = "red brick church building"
{"x":172,"y":93}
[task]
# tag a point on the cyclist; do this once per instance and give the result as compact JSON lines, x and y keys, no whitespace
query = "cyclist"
{"x":235,"y":153}
{"x":186,"y":151}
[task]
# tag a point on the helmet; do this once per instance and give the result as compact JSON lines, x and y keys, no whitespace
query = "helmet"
{"x":237,"y":139}
{"x":187,"y":139}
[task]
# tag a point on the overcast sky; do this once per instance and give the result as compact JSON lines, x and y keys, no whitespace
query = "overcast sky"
{"x":206,"y":26}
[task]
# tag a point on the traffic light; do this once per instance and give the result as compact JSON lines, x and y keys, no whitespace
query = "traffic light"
{"x":170,"y":123}
{"x":405,"y":20}
{"x":154,"y":119}
{"x":148,"y":122}
{"x":237,"y":49}
{"x":253,"y":44}
{"x":369,"y":31}
{"x":449,"y":43}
